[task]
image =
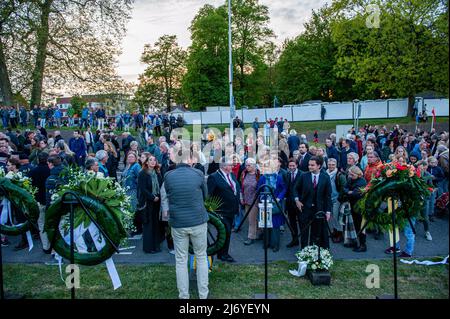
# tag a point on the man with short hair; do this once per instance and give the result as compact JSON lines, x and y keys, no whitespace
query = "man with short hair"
{"x":102,"y":157}
{"x":304,"y":157}
{"x":186,"y":191}
{"x":292,"y":210}
{"x":313,"y":195}
{"x":39,"y":176}
{"x":224,"y":185}
{"x":54,"y":179}
{"x":78,"y":146}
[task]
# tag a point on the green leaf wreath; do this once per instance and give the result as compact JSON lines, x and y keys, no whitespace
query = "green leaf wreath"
{"x":398,"y":182}
{"x":215,"y":241}
{"x":107,"y":202}
{"x":20,"y":192}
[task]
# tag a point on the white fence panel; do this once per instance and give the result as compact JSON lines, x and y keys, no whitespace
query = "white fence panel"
{"x":307,"y":113}
{"x":341,"y":111}
{"x":211,"y":117}
{"x":440,"y":106}
{"x":398,"y":108}
{"x":372,"y":109}
{"x":279,"y":112}
{"x":250,"y":115}
{"x":189,"y":117}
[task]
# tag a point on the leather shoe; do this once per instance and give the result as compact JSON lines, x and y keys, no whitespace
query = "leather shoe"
{"x":227,"y":258}
{"x":292,"y":244}
{"x":360,"y":249}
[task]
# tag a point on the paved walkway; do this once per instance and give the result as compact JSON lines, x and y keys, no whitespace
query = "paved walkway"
{"x":254,"y":254}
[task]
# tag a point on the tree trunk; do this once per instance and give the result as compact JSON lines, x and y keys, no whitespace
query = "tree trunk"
{"x":5,"y":83}
{"x":38,"y":72}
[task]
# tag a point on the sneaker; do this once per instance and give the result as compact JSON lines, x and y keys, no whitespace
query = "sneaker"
{"x":249,"y":241}
{"x":404,"y":255}
{"x":428,"y":236}
{"x":172,"y":251}
{"x":390,"y":250}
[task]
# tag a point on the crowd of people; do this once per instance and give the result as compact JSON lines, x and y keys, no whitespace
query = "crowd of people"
{"x":52,"y":116}
{"x":168,"y":179}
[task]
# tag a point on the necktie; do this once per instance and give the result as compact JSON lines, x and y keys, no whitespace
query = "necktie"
{"x":292,"y":177}
{"x":231,"y":184}
{"x":315,"y":182}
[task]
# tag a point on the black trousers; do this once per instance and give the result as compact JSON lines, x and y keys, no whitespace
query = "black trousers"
{"x":357,"y":220}
{"x":228,"y":222}
{"x":150,"y":229}
{"x":313,"y":231}
{"x":292,"y":211}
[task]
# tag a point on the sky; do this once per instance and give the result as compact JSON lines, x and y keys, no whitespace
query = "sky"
{"x":154,"y":18}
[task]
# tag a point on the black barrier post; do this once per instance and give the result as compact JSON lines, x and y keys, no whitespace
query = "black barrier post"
{"x":71,"y":201}
{"x":262,"y":191}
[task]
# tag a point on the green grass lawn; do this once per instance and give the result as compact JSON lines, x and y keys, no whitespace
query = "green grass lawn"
{"x":231,"y":281}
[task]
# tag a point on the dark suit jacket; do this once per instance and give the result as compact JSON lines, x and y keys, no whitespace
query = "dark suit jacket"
{"x":303,"y":165}
{"x":304,"y":190}
{"x":219,"y":187}
{"x":291,"y":187}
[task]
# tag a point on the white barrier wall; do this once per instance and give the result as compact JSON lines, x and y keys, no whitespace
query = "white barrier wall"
{"x":440,"y":106}
{"x":311,"y":112}
{"x":250,"y":115}
{"x":398,"y":108}
{"x":373,"y":109}
{"x":341,"y":111}
{"x":279,"y":112}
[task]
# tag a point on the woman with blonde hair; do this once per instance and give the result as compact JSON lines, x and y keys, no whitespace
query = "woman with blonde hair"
{"x":401,"y":151}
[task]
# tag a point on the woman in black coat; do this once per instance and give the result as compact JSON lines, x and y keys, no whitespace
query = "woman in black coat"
{"x":149,"y":201}
{"x":355,"y":182}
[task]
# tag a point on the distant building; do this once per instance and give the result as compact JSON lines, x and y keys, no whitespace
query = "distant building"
{"x":111,"y":102}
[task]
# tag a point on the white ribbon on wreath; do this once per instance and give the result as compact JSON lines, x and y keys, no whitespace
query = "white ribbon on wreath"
{"x":99,"y":242}
{"x":6,"y":215}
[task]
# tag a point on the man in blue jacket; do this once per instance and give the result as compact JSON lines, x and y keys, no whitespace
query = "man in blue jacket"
{"x":78,"y":146}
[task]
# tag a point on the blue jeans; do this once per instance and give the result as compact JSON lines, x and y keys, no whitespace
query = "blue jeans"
{"x":238,"y":217}
{"x":410,"y":237}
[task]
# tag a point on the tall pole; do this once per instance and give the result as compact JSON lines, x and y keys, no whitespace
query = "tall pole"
{"x":230,"y":71}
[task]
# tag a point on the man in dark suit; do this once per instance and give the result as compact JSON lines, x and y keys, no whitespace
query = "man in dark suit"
{"x":304,"y":157}
{"x":223,"y":185}
{"x":292,"y":210}
{"x":313,"y":194}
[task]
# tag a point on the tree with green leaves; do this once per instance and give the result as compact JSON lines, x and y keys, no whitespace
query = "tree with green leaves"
{"x":165,"y":68}
{"x":206,"y":79}
{"x":78,"y":103}
{"x":405,"y":55}
{"x":250,"y":27}
{"x":62,"y":44}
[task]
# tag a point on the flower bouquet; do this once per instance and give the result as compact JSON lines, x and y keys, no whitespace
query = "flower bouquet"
{"x":317,"y":268}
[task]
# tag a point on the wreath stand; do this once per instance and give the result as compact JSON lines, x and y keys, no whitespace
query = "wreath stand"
{"x":392,"y":206}
{"x":265,"y":190}
{"x":71,"y":198}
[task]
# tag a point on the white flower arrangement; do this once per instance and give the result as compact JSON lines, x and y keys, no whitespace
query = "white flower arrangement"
{"x":20,"y":180}
{"x":101,"y":187}
{"x":310,"y":255}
